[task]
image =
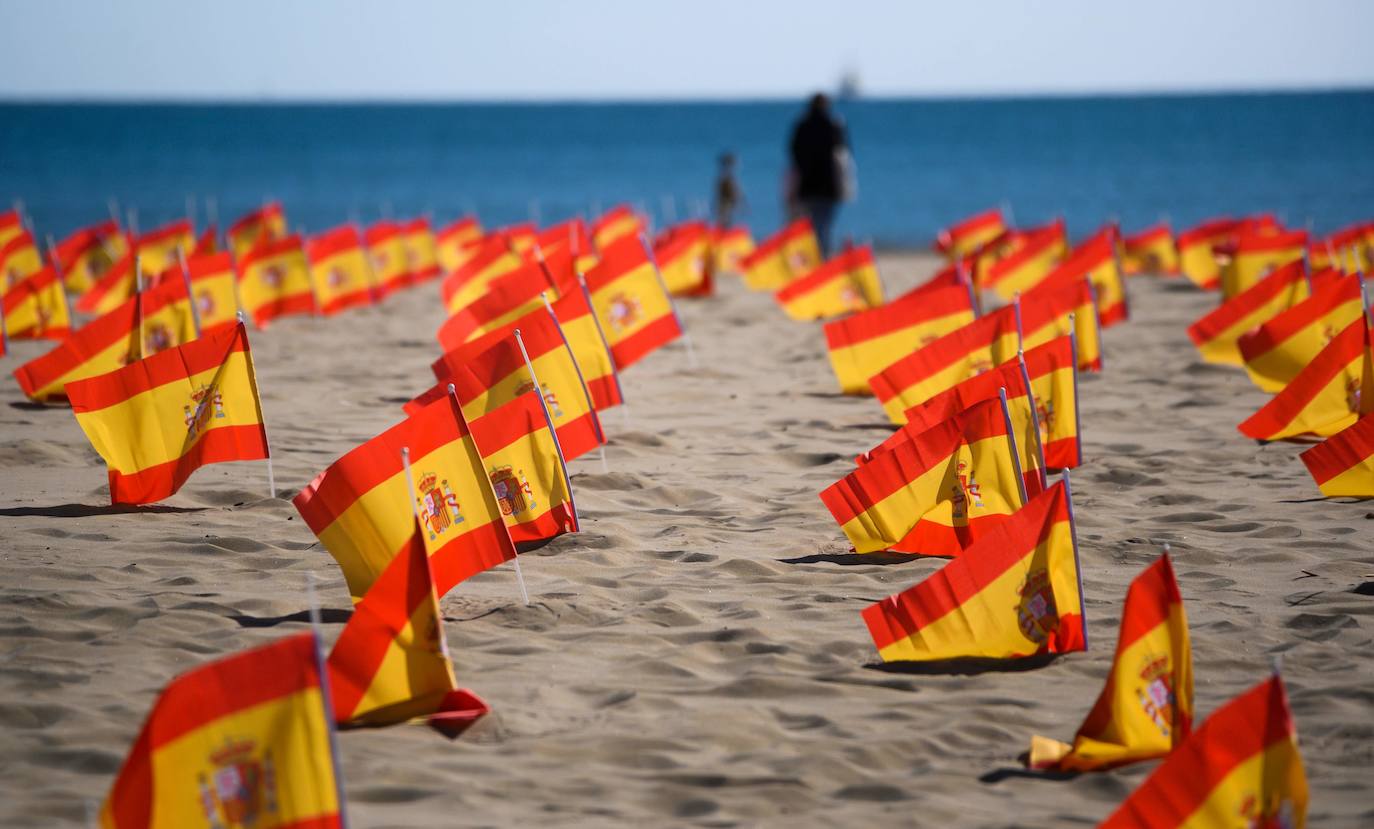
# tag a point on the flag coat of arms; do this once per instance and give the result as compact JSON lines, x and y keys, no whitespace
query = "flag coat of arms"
{"x":35,"y":308}
{"x":959,"y":240}
{"x":19,"y":260}
{"x":865,"y":343}
{"x":963,"y":353}
{"x":157,"y":250}
{"x":339,"y":270}
{"x":386,"y":249}
{"x":1014,"y":593}
{"x":583,"y":333}
{"x":243,"y":741}
{"x":1217,"y":334}
{"x":214,"y":288}
{"x":1096,"y":259}
{"x":1328,"y":395}
{"x":787,"y":255}
{"x":453,"y":243}
{"x":362,"y":511}
{"x":1054,"y":311}
{"x":1278,"y":350}
{"x":1032,"y":260}
{"x":155,"y":421}
{"x":262,"y":225}
{"x":1196,"y":258}
{"x":844,"y":285}
{"x":614,"y":225}
{"x":1146,"y":707}
{"x":635,"y":312}
{"x":1252,"y":256}
{"x":422,"y":253}
{"x":1240,"y":768}
{"x":935,"y":493}
{"x":274,"y":281}
{"x":526,"y":470}
{"x":507,"y":298}
{"x":87,"y":254}
{"x":489,"y":259}
{"x":1343,"y":464}
{"x":1151,"y":250}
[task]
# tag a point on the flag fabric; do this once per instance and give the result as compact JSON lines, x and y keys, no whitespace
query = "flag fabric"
{"x":1096,"y":259}
{"x":1032,"y":260}
{"x":729,"y":246}
{"x":1045,"y":316}
{"x":361,"y":510}
{"x":865,"y":343}
{"x":11,"y":225}
{"x":506,"y":299}
{"x":526,"y":470}
{"x":845,"y":284}
{"x":518,"y":238}
{"x":274,"y":281}
{"x":242,"y":741}
{"x":1328,"y":395}
{"x":111,"y":341}
{"x":787,"y":255}
{"x":214,"y":288}
{"x":157,"y":420}
{"x":157,"y":250}
{"x":614,"y":225}
{"x":35,"y":308}
{"x":1195,"y":257}
{"x":1253,"y":255}
{"x":421,"y":250}
{"x":635,"y":312}
{"x":583,"y":333}
{"x":1145,"y":709}
{"x":935,"y":493}
{"x":339,"y":270}
{"x":961,"y":239}
{"x":85,"y":255}
{"x":490,"y":258}
{"x":682,"y":257}
{"x":571,"y":235}
{"x":19,"y":260}
{"x":1351,"y":249}
{"x":265,"y":224}
{"x":1151,"y":250}
{"x":1240,"y":768}
{"x":1217,"y":334}
{"x":911,"y":380}
{"x":453,"y":243}
{"x":208,"y":243}
{"x":491,"y":371}
{"x":113,"y":288}
{"x":1014,"y":593}
{"x":1343,"y":464}
{"x":1278,"y":350}
{"x":386,"y":248}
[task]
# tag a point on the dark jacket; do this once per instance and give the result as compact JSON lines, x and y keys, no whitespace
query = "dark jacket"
{"x":815,"y":139}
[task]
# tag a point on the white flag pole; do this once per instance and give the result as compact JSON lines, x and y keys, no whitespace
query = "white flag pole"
{"x":322,"y":667}
{"x":1035,"y":419}
{"x":138,"y":305}
{"x":548,"y":419}
{"x":672,"y":306}
{"x":190,"y":294}
{"x":271,"y":478}
{"x":1011,"y":439}
{"x":1077,"y":562}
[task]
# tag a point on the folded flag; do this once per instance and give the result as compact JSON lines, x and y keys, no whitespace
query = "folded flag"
{"x":614,"y":225}
{"x":421,"y":250}
{"x":1240,"y":768}
{"x":1195,"y":257}
{"x":339,"y":270}
{"x":507,"y":298}
{"x":786,"y":255}
{"x":1217,"y":334}
{"x":1151,"y":250}
{"x":489,"y":259}
{"x":274,"y":281}
{"x":1343,"y":464}
{"x":265,"y":224}
{"x":961,"y":239}
{"x":85,"y":255}
{"x":453,"y":243}
{"x":583,"y":333}
{"x":386,"y":248}
{"x":214,"y":286}
{"x":1054,"y":311}
{"x":845,"y":284}
{"x":1328,"y":395}
{"x":1278,"y":350}
{"x":242,"y":741}
{"x":1254,"y":254}
{"x":155,"y":421}
{"x":865,"y":343}
{"x":19,"y":260}
{"x":35,"y":308}
{"x":935,"y":493}
{"x":1096,"y":259}
{"x":634,"y":309}
{"x":729,"y":246}
{"x":1145,"y":709}
{"x":963,"y":353}
{"x":1029,"y":263}
{"x":526,"y":469}
{"x":1014,"y":593}
{"x":361,"y":510}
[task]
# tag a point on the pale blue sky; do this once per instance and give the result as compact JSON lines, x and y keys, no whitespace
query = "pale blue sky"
{"x":284,"y":49}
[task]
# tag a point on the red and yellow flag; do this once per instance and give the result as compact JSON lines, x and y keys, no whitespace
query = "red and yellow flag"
{"x":155,"y":421}
{"x":1328,"y":395}
{"x":1217,"y":334}
{"x":1027,"y":265}
{"x":1053,"y":371}
{"x":526,"y":469}
{"x":1343,"y":464}
{"x":86,"y":255}
{"x":614,"y":225}
{"x":158,"y":250}
{"x":913,"y":379}
{"x":361,"y":510}
{"x":339,"y":270}
{"x":1195,"y":256}
{"x":1152,"y":250}
{"x":571,"y":236}
{"x":386,"y":248}
{"x":1054,"y":311}
{"x":113,"y":288}
{"x":11,"y":225}
{"x":1351,"y":249}
{"x":19,"y":260}
{"x":1095,"y":258}
{"x":635,"y":312}
{"x":583,"y":333}
{"x":421,"y":249}
{"x":1254,"y":254}
{"x":243,"y":741}
{"x":959,"y":240}
{"x":208,"y":243}
{"x":1145,"y":709}
{"x":1240,"y":768}
{"x":863,"y":344}
{"x":786,"y":255}
{"x":35,"y":308}
{"x":1014,"y":593}
{"x":489,"y":259}
{"x":846,"y":284}
{"x":265,"y":224}
{"x":453,"y":243}
{"x":729,"y":246}
{"x":274,"y":281}
{"x":1278,"y":350}
{"x":214,"y":287}
{"x":682,"y":255}
{"x":506,"y":298}
{"x":935,"y":493}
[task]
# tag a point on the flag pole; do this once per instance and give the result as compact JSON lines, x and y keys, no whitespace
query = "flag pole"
{"x":1077,"y":562}
{"x":112,"y":205}
{"x":271,"y":479}
{"x":138,"y":308}
{"x":1020,"y":335}
{"x":1035,"y":419}
{"x":326,"y":698}
{"x":586,"y":392}
{"x":1011,"y":439}
{"x":548,"y":418}
{"x":61,"y":281}
{"x":967,"y":278}
{"x":672,"y":306}
{"x":309,"y":271}
{"x":1077,"y":419}
{"x":190,"y":295}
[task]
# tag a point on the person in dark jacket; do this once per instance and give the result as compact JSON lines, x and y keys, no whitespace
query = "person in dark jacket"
{"x":818,"y":143}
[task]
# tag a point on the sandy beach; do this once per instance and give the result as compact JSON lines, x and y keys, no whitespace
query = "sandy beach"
{"x":695,"y":656}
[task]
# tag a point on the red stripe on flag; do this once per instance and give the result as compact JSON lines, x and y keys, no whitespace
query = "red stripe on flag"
{"x":219,"y":445}
{"x":1342,"y":451}
{"x":646,"y":340}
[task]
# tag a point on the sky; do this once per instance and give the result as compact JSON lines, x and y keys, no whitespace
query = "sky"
{"x":610,"y":49}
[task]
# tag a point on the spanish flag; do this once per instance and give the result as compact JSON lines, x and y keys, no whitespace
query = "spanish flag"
{"x":635,"y":312}
{"x":1278,"y":350}
{"x":1016,"y":592}
{"x":1343,"y":464}
{"x":1196,"y":259}
{"x":1053,"y":371}
{"x":157,"y":250}
{"x":19,"y":260}
{"x":1241,"y":768}
{"x":1028,"y":265}
{"x":421,"y":250}
{"x":157,"y":420}
{"x":339,"y":270}
{"x":35,"y":308}
{"x":265,"y":224}
{"x":682,"y":258}
{"x":214,"y":286}
{"x":571,"y":235}
{"x":274,"y":281}
{"x":518,"y":238}
{"x":111,"y":341}
{"x":114,"y":287}
{"x":1350,"y":249}
{"x":1328,"y":395}
{"x":453,"y":243}
{"x":1053,"y":311}
{"x":863,"y":344}
{"x":489,"y":260}
{"x":361,"y":510}
{"x":11,"y":225}
{"x":787,"y":255}
{"x":1096,"y":259}
{"x":614,"y":225}
{"x":526,"y":469}
{"x":1145,"y":709}
{"x":729,"y":247}
{"x":959,"y":240}
{"x":506,"y":299}
{"x":973,"y":349}
{"x":583,"y":333}
{"x":1254,"y":255}
{"x":1151,"y":250}
{"x":386,"y":248}
{"x":86,"y":255}
{"x":935,"y":493}
{"x":1217,"y":334}
{"x":208,"y":243}
{"x":243,"y":741}
{"x":490,"y":372}
{"x":846,"y":284}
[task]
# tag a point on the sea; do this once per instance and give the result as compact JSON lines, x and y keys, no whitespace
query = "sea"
{"x":1308,"y":158}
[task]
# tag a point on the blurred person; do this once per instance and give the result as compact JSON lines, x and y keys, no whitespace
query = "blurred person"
{"x":728,"y":196}
{"x":820,"y":175}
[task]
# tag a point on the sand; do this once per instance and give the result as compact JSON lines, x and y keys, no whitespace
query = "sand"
{"x":696,"y":655}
